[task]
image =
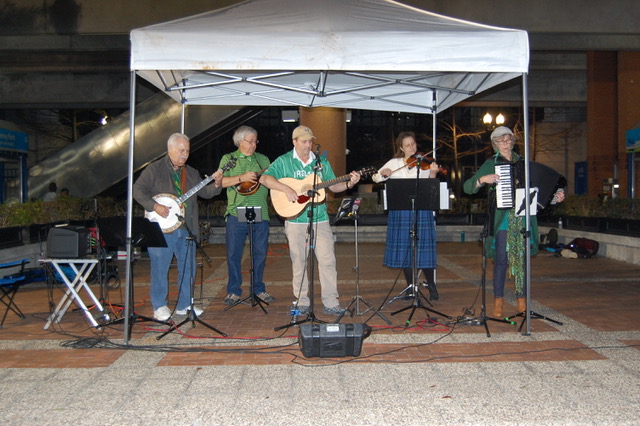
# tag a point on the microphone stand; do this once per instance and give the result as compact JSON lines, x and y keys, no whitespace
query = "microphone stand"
{"x":357,"y":299}
{"x":191,"y":313}
{"x":253,"y":298}
{"x":311,"y":253}
{"x":488,"y":224}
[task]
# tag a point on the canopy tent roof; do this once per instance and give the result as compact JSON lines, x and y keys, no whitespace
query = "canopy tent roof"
{"x":360,"y":54}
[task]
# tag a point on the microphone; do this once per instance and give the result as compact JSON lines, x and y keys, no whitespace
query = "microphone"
{"x":356,"y":205}
{"x":180,"y":218}
{"x":318,"y":149}
{"x":419,"y":157}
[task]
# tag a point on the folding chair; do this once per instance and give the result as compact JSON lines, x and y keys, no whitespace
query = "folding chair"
{"x":9,"y":286}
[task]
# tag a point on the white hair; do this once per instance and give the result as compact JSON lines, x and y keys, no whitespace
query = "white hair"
{"x":173,"y":139}
{"x":242,"y":133}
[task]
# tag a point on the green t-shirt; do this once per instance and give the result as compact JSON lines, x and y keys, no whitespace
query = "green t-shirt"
{"x":254,"y":163}
{"x":288,"y":166}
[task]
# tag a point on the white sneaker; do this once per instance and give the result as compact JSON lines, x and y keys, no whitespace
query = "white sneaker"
{"x":162,"y":314}
{"x":184,"y":311}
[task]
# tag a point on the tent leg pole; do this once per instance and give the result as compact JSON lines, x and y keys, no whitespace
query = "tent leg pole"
{"x":128,"y":280}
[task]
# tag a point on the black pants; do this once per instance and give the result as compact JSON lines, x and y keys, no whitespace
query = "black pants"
{"x":429,"y":274}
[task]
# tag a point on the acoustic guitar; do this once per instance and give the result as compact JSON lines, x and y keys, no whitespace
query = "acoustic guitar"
{"x":173,"y":221}
{"x":306,"y":192}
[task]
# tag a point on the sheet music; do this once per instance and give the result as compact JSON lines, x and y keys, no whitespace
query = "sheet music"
{"x":521,"y":202}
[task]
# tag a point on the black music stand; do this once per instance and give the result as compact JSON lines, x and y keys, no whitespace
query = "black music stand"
{"x":250,"y":215}
{"x":144,"y":234}
{"x":414,"y":195}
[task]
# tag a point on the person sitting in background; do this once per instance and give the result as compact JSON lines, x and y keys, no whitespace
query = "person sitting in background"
{"x":52,"y":194}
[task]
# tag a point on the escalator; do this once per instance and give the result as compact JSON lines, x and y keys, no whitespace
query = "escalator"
{"x":99,"y":160}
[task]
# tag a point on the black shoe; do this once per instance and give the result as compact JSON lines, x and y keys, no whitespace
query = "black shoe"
{"x":433,"y":290}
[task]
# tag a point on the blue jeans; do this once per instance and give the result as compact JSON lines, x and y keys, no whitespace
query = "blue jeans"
{"x":501,"y":261}
{"x":236,"y":234}
{"x":185,"y":252}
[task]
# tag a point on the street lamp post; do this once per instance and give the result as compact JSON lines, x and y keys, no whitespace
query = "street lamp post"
{"x":488,"y":122}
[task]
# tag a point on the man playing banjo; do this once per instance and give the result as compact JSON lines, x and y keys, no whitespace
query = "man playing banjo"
{"x":158,"y":189}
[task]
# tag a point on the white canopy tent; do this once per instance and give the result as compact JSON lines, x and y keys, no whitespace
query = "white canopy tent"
{"x":361,"y":54}
{"x":356,"y":54}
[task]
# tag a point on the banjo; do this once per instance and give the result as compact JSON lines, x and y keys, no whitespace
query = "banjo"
{"x":176,"y":213}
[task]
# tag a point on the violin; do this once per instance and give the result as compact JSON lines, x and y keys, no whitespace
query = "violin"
{"x":425,"y":162}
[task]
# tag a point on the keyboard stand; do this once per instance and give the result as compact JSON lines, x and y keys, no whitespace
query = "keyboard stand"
{"x":82,"y":269}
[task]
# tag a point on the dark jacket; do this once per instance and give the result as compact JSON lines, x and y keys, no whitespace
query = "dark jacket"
{"x":157,"y":178}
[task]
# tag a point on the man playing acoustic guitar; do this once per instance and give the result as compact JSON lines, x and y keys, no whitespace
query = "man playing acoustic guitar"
{"x":281,"y":177}
{"x":165,"y":179}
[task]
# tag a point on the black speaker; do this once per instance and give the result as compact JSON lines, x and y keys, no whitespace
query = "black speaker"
{"x":332,"y":340}
{"x":68,"y":242}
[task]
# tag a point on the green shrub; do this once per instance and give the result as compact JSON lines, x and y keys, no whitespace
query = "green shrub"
{"x":62,"y":209}
{"x":70,"y":208}
{"x":584,"y":206}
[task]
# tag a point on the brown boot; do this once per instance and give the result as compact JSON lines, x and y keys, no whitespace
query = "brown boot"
{"x":497,"y":307}
{"x":522,"y":304}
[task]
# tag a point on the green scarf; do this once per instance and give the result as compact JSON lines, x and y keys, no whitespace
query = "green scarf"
{"x":515,"y":250}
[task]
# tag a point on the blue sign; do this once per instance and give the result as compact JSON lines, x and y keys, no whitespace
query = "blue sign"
{"x":13,"y":141}
{"x":633,"y":140}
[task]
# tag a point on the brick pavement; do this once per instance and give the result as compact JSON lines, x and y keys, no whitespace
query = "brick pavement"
{"x":599,"y":295}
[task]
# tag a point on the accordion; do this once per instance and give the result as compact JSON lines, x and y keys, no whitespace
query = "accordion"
{"x":542,"y":177}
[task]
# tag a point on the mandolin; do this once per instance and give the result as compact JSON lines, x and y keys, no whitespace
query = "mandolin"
{"x":250,"y":187}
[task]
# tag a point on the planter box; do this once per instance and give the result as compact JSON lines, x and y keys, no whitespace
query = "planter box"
{"x":602,"y":225}
{"x":10,"y":237}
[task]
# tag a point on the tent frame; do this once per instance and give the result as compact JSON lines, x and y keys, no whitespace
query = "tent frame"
{"x":130,"y":174}
{"x":357,"y":54}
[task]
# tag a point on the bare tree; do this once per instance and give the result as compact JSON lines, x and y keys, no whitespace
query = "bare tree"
{"x":455,"y":143}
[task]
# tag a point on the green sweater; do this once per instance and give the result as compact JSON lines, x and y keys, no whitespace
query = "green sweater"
{"x":499,"y":215}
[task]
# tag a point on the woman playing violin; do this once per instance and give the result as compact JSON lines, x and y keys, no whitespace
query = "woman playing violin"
{"x":398,"y":245}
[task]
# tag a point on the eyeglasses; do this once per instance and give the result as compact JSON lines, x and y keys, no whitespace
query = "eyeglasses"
{"x":503,"y":140}
{"x":256,"y":141}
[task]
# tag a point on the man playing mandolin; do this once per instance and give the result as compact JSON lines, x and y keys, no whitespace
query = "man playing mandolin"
{"x":244,"y":190}
{"x":158,"y":184}
{"x":281,"y":176}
